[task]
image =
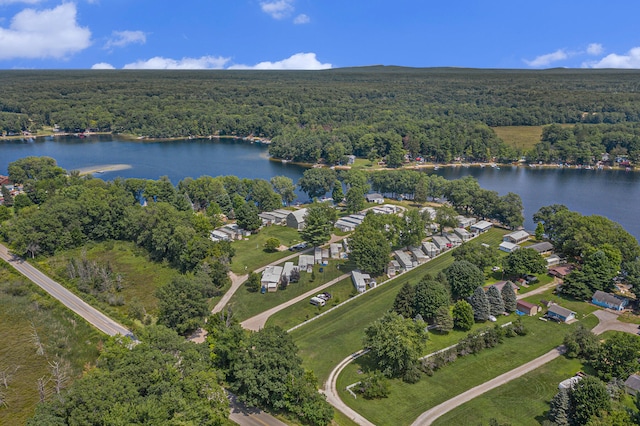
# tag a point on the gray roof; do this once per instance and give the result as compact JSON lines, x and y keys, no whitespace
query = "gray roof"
{"x":607,"y":297}
{"x":541,"y":247}
{"x":299,"y":214}
{"x":633,"y":382}
{"x":374,"y":196}
{"x":559,"y":310}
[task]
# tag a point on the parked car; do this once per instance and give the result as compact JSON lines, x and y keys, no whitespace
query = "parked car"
{"x":324,"y":296}
{"x":317,"y":301}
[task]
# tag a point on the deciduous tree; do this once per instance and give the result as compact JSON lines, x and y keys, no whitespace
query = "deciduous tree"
{"x":463,"y":277}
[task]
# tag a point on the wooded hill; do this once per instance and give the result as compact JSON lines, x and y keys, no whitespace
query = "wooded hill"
{"x":438,"y":113}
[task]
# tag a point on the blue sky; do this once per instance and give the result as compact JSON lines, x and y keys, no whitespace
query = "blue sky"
{"x":317,"y":34}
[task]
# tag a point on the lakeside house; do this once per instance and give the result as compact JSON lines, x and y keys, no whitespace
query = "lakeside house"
{"x":608,"y":300}
{"x":295,"y":219}
{"x":374,"y":198}
{"x":516,"y":237}
{"x":463,"y":234}
{"x":508,"y":247}
{"x":360,"y":281}
{"x":481,"y":227}
{"x":544,"y":247}
{"x":465,"y":222}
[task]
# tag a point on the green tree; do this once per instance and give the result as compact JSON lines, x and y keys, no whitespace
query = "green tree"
{"x":581,"y":343}
{"x":443,"y":319}
{"x":272,"y":244}
{"x":374,"y":386}
{"x":476,"y":253}
{"x":247,"y":216}
{"x":539,"y":231}
{"x":463,"y":278}
{"x":509,"y":297}
{"x":5,"y":213}
{"x":412,"y":230}
{"x":617,"y":356}
{"x":337,"y":194}
{"x":404,"y":302}
{"x":181,"y":305}
{"x":588,"y":398}
{"x":253,"y":283}
{"x":395,"y":157}
{"x":480,"y":305}
{"x":285,"y":187}
{"x":396,"y":344}
{"x":446,"y":217}
{"x":6,"y":195}
{"x":429,"y":296}
{"x":560,"y":408}
{"x":524,"y":261}
{"x":355,"y":199}
{"x":318,"y":224}
{"x":370,"y":248}
{"x":317,"y":181}
{"x":496,"y":304}
{"x":463,"y":315}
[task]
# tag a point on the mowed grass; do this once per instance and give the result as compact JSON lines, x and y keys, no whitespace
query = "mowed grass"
{"x":520,"y":137}
{"x":250,"y":252}
{"x":142,"y":277}
{"x":23,"y":309}
{"x":521,"y":402}
{"x":406,"y":402}
{"x":330,"y":339}
{"x":246,"y":304}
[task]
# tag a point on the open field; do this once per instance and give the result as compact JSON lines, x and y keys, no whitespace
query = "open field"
{"x":334,"y":336}
{"x":141,"y":277}
{"x":26,"y":311}
{"x":246,"y":304}
{"x":519,"y":137}
{"x":406,"y":402}
{"x":250,"y":253}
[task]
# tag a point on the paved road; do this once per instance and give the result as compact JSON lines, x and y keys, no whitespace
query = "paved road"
{"x":245,"y":416}
{"x":67,"y":298}
{"x":257,"y":322}
{"x":236,"y":282}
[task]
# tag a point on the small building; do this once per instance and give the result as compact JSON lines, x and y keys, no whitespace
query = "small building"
{"x":280,"y":216}
{"x":465,"y":222}
{"x":217,"y":235}
{"x":441,"y":242}
{"x":430,"y":249}
{"x":403,"y":259}
{"x":325,"y":256}
{"x":463,"y":234}
{"x":374,"y":198}
{"x":632,"y":384}
{"x":508,"y":247}
{"x":295,"y":219}
{"x":335,"y":249}
{"x":393,"y":268}
{"x":267,"y":219}
{"x":516,"y":237}
{"x":553,"y":260}
{"x":525,"y":308}
{"x":561,"y":314}
{"x":608,"y":300}
{"x":570,"y":382}
{"x":351,"y":159}
{"x":345,"y":226}
{"x":430,"y":210}
{"x":480,"y":227}
{"x":317,"y":255}
{"x":271,"y":277}
{"x":360,"y":281}
{"x":418,"y":255}
{"x":287,"y":269}
{"x":355,"y":219}
{"x":454,"y":239}
{"x":561,"y":271}
{"x":386,"y":209}
{"x":345,"y":245}
{"x":544,"y":247}
{"x":306,"y":262}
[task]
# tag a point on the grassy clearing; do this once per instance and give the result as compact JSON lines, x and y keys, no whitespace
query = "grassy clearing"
{"x":250,"y":253}
{"x":407,"y":402}
{"x":23,"y":309}
{"x":519,"y":137}
{"x":524,"y":401}
{"x":334,"y":336}
{"x":246,"y":304}
{"x":141,"y":276}
{"x":340,"y":419}
{"x":629,"y":318}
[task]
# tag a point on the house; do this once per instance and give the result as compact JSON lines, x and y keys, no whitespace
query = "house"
{"x":295,"y":219}
{"x":608,"y":300}
{"x":325,"y":256}
{"x":345,"y":226}
{"x":360,"y":281}
{"x":442,"y":243}
{"x":306,"y":262}
{"x":560,"y":314}
{"x":516,"y":237}
{"x":463,"y":234}
{"x":287,"y":269}
{"x":403,"y":259}
{"x":544,"y":247}
{"x":553,"y":260}
{"x":216,"y":235}
{"x":465,"y":222}
{"x":374,"y":198}
{"x":632,"y":384}
{"x":317,"y":255}
{"x":561,"y":271}
{"x":335,"y":250}
{"x":271,"y":277}
{"x":386,"y":209}
{"x":525,"y":308}
{"x":393,"y":268}
{"x":430,"y":210}
{"x":430,"y":249}
{"x":508,"y":247}
{"x":480,"y":227}
{"x":454,"y":239}
{"x":267,"y":219}
{"x":418,"y":255}
{"x":500,"y":285}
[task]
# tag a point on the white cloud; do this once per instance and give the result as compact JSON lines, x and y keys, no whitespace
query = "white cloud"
{"x":102,"y":66}
{"x":595,"y":49}
{"x":278,"y":9}
{"x":544,"y":60}
{"x":124,"y":38}
{"x":630,"y":60}
{"x":50,"y":33}
{"x":299,"y":61}
{"x":301,"y":19}
{"x":3,"y":2}
{"x":160,"y":63}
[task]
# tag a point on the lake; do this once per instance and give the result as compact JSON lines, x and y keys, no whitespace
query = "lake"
{"x":611,"y":193}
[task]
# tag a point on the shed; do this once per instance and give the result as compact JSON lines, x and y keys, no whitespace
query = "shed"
{"x":632,"y":384}
{"x":516,"y":237}
{"x":608,"y":300}
{"x":544,"y":247}
{"x":296,"y":218}
{"x":525,"y":308}
{"x":374,"y":198}
{"x":393,"y":268}
{"x":463,"y":234}
{"x":508,"y":247}
{"x":553,"y":260}
{"x":561,"y":314}
{"x":360,"y":281}
{"x":480,"y":227}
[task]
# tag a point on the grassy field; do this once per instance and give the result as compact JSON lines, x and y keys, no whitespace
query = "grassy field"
{"x":406,"y":402}
{"x":23,"y":309}
{"x":519,"y":137}
{"x":250,"y":253}
{"x":141,"y":276}
{"x":334,"y":336}
{"x":246,"y":304}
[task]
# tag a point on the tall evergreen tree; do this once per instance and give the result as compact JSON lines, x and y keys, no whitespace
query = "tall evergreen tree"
{"x":480,"y":305}
{"x":443,"y":319}
{"x":560,"y":410}
{"x":496,"y":304}
{"x":463,"y":315}
{"x":509,"y":297}
{"x":405,"y":300}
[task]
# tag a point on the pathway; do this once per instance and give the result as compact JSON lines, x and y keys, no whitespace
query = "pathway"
{"x":67,"y":298}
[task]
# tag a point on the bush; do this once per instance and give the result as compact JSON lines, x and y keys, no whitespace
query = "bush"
{"x":374,"y":386}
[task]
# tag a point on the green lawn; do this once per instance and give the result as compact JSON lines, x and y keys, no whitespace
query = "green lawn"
{"x":246,"y":304}
{"x":250,"y":252}
{"x":23,"y":308}
{"x":141,"y":276}
{"x":329,"y":339}
{"x":520,"y":137}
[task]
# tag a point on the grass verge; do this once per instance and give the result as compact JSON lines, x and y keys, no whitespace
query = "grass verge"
{"x":250,"y":253}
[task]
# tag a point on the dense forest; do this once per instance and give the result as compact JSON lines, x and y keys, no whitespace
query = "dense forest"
{"x":440,"y":114}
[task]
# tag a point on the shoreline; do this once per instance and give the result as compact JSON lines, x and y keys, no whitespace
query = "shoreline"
{"x":102,"y":168}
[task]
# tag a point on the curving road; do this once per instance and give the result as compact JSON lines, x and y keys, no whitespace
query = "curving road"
{"x":67,"y":298}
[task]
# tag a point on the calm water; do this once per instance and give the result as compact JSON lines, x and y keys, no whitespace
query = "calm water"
{"x":614,"y":194}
